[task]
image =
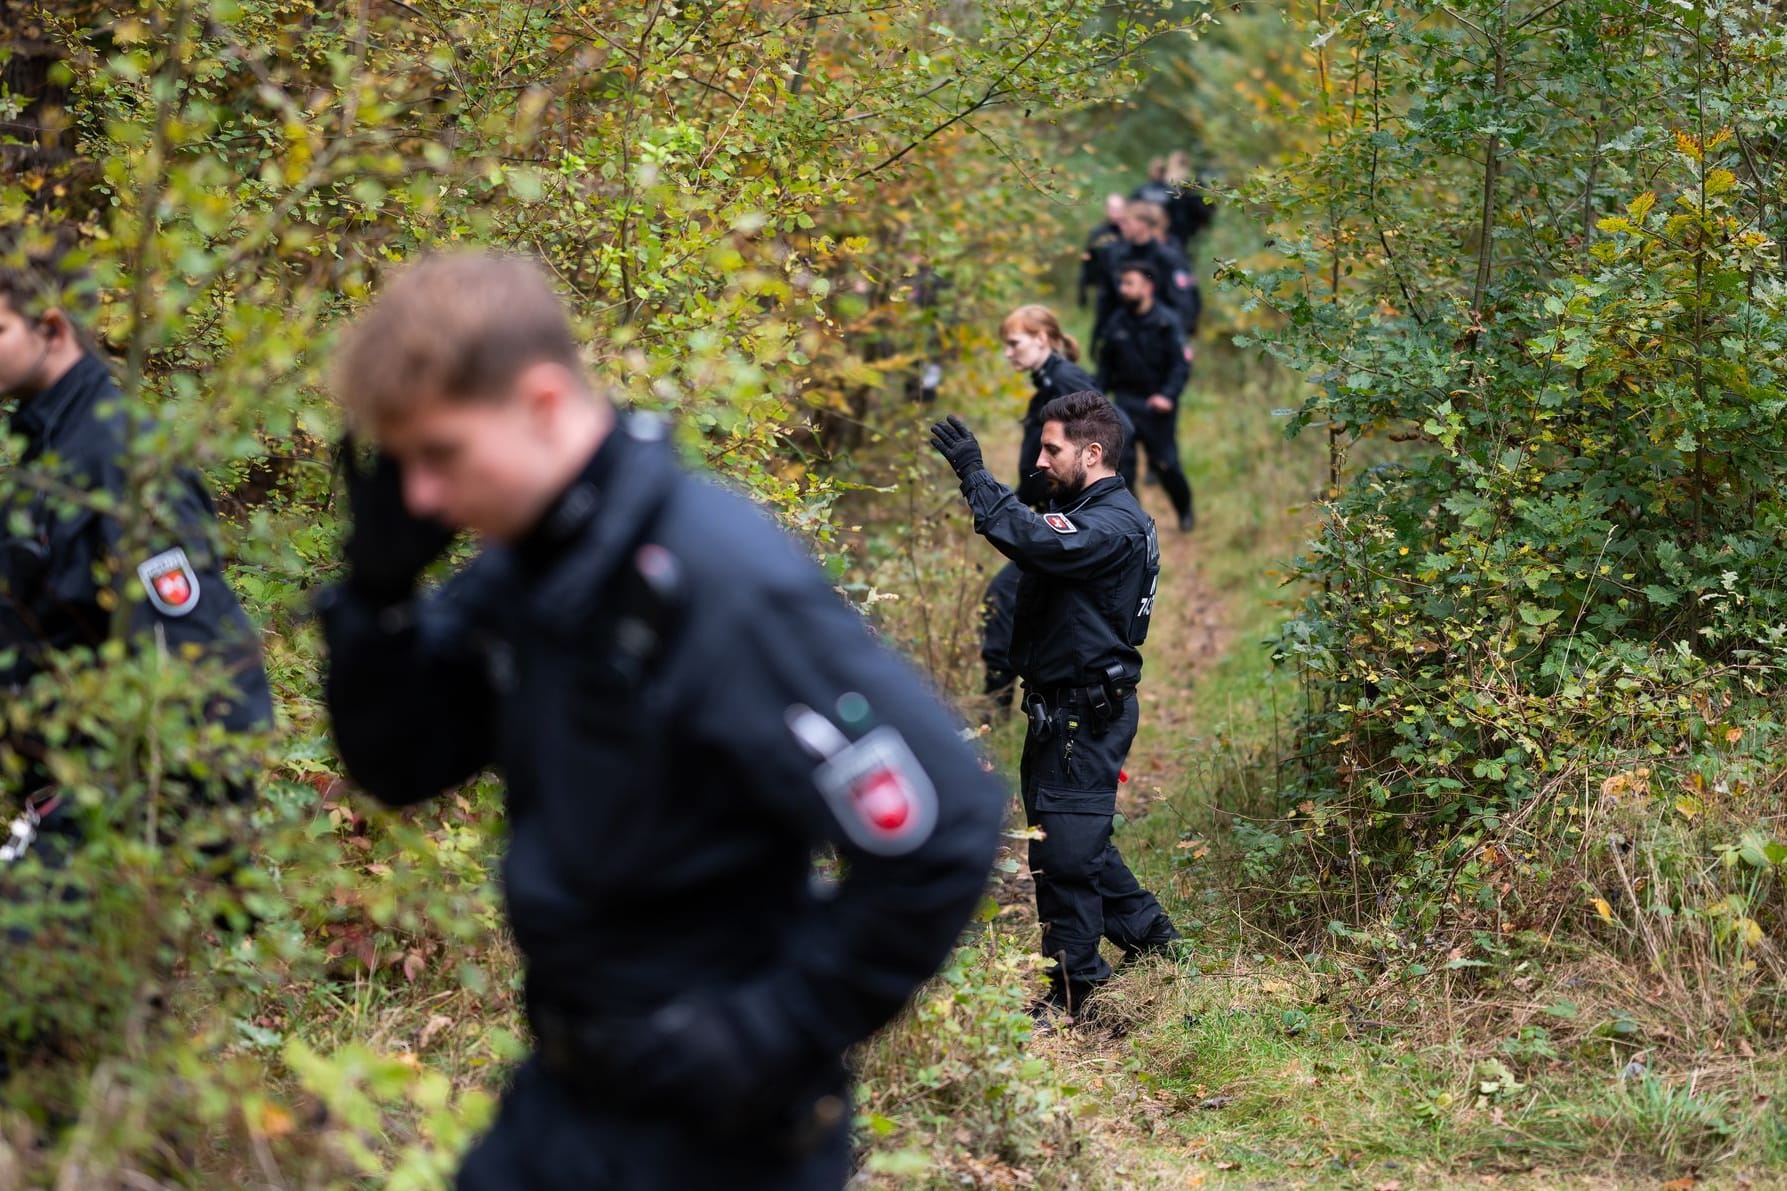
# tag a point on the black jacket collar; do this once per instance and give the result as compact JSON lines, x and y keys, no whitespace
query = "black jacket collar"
{"x":38,"y":417}
{"x":1090,"y":494}
{"x":601,"y":519}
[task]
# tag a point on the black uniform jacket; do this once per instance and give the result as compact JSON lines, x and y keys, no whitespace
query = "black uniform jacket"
{"x":1143,"y":354}
{"x":61,"y":561}
{"x":660,"y":675}
{"x":1096,"y":260}
{"x":1089,"y":570}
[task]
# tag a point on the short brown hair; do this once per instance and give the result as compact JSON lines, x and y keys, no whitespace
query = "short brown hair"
{"x":458,"y":327}
{"x":1087,"y":417}
{"x":41,"y":272}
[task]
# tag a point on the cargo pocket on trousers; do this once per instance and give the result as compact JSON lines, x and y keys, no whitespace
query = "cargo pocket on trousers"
{"x":1061,"y":800}
{"x":1076,"y":827}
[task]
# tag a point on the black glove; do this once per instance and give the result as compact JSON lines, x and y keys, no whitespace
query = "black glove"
{"x":387,"y":548}
{"x":956,"y":443}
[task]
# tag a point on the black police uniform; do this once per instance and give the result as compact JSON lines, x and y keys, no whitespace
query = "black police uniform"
{"x":1144,"y":354}
{"x":684,"y":713}
{"x":1174,"y":285}
{"x":1189,"y":214}
{"x":1181,"y":285}
{"x":1095,"y":262}
{"x":1090,"y":570}
{"x":1056,"y":377}
{"x":62,"y":567}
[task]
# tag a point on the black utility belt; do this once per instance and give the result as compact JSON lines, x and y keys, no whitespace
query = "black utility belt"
{"x":1103,"y":699}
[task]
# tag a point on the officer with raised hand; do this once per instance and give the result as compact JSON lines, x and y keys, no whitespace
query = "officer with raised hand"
{"x":1142,"y":365}
{"x":685,"y":715}
{"x":1090,"y":566}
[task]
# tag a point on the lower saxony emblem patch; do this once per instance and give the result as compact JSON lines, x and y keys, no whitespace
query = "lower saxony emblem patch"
{"x":1059,"y":523}
{"x":170,"y":582}
{"x":880,"y":794}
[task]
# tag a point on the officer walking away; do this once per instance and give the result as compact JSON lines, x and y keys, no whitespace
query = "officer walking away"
{"x":1103,"y":247}
{"x":1036,"y":344}
{"x":1154,"y":247}
{"x":1157,"y":189}
{"x":1142,"y":366}
{"x":685,"y":716}
{"x":1189,"y":211}
{"x":1090,"y":569}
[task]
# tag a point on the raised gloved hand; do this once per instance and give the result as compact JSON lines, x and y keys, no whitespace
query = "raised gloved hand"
{"x":956,"y":443}
{"x":388,"y":547}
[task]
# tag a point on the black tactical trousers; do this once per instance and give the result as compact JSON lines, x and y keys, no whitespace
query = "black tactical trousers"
{"x":1159,"y":435}
{"x":548,"y":1138}
{"x":1084,"y":891}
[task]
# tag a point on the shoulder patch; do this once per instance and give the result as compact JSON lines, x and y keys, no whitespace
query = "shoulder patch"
{"x":170,"y":582}
{"x":880,"y":794}
{"x":1060,"y":523}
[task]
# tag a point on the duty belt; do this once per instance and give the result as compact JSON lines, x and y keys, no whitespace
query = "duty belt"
{"x":1104,"y":701}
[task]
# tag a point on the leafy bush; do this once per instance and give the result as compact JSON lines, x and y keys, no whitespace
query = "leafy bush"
{"x":1546,"y":326}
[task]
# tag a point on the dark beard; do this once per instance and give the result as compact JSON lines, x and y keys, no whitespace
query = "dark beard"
{"x":1068,"y":486}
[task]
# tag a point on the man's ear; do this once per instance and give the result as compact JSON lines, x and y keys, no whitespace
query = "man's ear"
{"x":1094,"y":454}
{"x":543,"y":389}
{"x":55,"y":324}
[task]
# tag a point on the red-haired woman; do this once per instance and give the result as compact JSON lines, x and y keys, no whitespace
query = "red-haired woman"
{"x":1035,"y":343}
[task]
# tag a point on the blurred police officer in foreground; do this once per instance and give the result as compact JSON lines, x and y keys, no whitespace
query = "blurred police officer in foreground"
{"x":685,"y":715}
{"x":1142,"y":365}
{"x":1090,"y":567}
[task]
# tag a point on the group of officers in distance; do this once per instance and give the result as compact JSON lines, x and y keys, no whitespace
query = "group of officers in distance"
{"x":683,"y":710}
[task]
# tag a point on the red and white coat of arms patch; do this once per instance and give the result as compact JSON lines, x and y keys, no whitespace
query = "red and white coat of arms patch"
{"x":170,"y":582}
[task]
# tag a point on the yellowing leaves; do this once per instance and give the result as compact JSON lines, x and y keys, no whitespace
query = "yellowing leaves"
{"x":1631,"y":782}
{"x":1602,"y":908}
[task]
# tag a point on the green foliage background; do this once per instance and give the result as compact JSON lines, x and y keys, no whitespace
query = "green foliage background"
{"x":766,"y":218}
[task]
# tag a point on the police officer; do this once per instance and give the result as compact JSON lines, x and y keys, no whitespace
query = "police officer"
{"x":68,"y":562}
{"x":1142,"y":366}
{"x":685,"y":715}
{"x":1090,"y":568}
{"x":1189,"y":212}
{"x":1036,"y":344}
{"x":72,"y":578}
{"x":1103,"y":247}
{"x":1145,"y":243}
{"x":1157,"y":189}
